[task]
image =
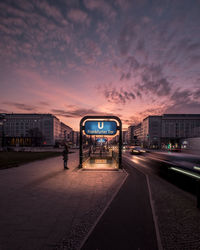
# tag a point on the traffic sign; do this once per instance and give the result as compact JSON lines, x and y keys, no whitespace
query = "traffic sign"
{"x":100,"y":127}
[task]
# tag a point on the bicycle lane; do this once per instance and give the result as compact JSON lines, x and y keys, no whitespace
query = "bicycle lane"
{"x":128,"y":222}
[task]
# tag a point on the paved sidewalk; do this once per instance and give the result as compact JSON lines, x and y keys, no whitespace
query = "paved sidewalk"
{"x":43,"y":205}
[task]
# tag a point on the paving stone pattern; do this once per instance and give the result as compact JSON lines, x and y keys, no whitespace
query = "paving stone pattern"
{"x":177,"y":215}
{"x":44,"y":206}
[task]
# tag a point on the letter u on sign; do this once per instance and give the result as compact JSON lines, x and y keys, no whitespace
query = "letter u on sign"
{"x":100,"y":125}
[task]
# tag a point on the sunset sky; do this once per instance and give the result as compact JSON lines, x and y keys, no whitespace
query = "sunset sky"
{"x":73,"y":58}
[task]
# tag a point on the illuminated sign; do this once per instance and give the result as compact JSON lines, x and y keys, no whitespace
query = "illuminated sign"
{"x":101,"y":140}
{"x":100,"y":161}
{"x":100,"y":127}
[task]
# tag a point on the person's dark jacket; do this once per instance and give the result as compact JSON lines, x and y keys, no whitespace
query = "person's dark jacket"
{"x":65,"y":154}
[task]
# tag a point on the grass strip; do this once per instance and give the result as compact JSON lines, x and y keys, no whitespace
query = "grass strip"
{"x":15,"y":159}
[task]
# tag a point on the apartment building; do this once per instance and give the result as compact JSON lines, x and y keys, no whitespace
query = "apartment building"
{"x":65,"y":132}
{"x":159,"y":131}
{"x":130,"y":135}
{"x":28,"y":129}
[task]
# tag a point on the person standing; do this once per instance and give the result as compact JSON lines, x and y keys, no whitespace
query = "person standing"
{"x":65,"y":156}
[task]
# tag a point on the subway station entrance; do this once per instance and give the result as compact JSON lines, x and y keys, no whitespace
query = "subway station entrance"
{"x":100,"y":143}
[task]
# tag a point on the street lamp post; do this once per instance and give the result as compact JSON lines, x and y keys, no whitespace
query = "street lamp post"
{"x":2,"y":120}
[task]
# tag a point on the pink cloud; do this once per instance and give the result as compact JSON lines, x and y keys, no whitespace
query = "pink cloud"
{"x":123,"y":4}
{"x":102,"y":6}
{"x":78,"y":16}
{"x":9,"y":9}
{"x":90,"y":52}
{"x":13,"y":31}
{"x":102,"y":29}
{"x":50,"y":10}
{"x":48,"y":90}
{"x":25,"y":5}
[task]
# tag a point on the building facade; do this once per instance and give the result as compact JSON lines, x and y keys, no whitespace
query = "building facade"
{"x":125,"y":137}
{"x":180,"y":126}
{"x":74,"y":138}
{"x":32,"y":129}
{"x":131,"y":134}
{"x":2,"y":121}
{"x":138,"y":133}
{"x":151,"y":132}
{"x":65,"y":132}
{"x":168,"y":129}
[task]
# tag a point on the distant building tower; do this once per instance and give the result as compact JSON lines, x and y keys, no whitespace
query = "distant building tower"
{"x":65,"y":132}
{"x":151,"y":132}
{"x":125,"y":137}
{"x":74,"y":137}
{"x":131,"y":134}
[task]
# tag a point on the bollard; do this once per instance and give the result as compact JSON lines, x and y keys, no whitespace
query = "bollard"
{"x":198,"y":193}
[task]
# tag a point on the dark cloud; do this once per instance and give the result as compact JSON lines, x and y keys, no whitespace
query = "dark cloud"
{"x":196,"y":94}
{"x":50,"y":10}
{"x":31,"y":33}
{"x":151,"y":111}
{"x":139,"y":94}
{"x":3,"y":111}
{"x":77,"y":113}
{"x":150,"y":77}
{"x":184,"y":101}
{"x":131,"y":66}
{"x":63,"y":113}
{"x":44,"y":103}
{"x":155,"y":47}
{"x":120,"y":96}
{"x":162,"y":49}
{"x":126,"y":37}
{"x":181,"y":96}
{"x":140,"y":45}
{"x":102,"y":6}
{"x":78,"y":16}
{"x":153,"y":81}
{"x":180,"y":52}
{"x":126,"y":76}
{"x":195,"y":59}
{"x":190,"y":107}
{"x":133,"y":120}
{"x":150,"y":81}
{"x":21,"y":106}
{"x":186,"y":45}
{"x":132,"y":63}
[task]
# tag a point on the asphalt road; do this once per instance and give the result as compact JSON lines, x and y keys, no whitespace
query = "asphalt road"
{"x":159,"y":164}
{"x":128,"y":222}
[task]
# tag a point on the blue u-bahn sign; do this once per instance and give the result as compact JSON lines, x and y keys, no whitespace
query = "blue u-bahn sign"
{"x":101,"y":140}
{"x":100,"y":127}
